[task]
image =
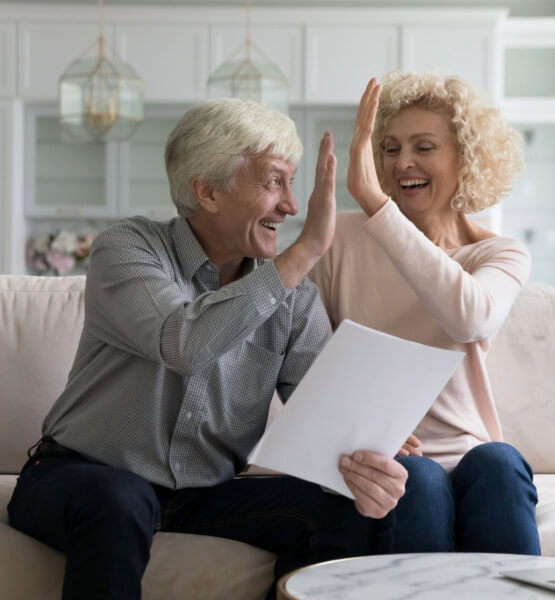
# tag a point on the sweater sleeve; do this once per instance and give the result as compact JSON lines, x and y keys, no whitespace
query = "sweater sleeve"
{"x":469,"y":305}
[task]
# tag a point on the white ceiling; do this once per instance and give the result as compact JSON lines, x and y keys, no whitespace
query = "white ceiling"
{"x":518,"y":8}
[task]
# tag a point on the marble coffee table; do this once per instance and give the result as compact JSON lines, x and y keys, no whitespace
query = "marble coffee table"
{"x":449,"y":576}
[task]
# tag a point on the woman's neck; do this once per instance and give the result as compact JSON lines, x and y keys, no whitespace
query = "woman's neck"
{"x":451,"y":230}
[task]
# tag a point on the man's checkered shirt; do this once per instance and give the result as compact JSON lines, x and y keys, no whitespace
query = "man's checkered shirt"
{"x":174,"y":375}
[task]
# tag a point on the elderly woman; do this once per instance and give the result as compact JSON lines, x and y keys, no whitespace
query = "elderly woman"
{"x":425,"y":153}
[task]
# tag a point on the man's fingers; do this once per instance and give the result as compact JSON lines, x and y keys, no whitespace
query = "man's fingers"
{"x":377,"y":482}
{"x":371,"y":498}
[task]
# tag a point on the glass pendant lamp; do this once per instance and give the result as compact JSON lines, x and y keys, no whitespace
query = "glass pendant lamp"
{"x":100,"y":99}
{"x":253,"y":77}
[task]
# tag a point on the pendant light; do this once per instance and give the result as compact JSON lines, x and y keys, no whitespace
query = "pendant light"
{"x":100,"y":99}
{"x":253,"y":77}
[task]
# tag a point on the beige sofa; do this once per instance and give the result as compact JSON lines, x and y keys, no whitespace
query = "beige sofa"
{"x":40,"y":323}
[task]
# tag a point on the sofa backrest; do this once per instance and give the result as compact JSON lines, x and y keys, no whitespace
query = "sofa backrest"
{"x":521,"y":364}
{"x":41,"y":320}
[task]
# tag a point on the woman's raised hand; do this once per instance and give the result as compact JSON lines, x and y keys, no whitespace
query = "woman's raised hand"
{"x":362,"y":179}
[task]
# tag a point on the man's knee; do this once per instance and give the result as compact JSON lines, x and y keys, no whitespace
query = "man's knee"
{"x":118,"y":499}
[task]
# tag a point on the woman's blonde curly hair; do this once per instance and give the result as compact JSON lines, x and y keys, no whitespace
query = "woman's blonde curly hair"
{"x":490,"y":150}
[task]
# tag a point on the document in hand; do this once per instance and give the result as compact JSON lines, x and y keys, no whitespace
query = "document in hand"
{"x":367,"y":390}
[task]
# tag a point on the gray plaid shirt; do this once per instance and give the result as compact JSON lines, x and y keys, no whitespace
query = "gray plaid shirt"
{"x":174,"y":374}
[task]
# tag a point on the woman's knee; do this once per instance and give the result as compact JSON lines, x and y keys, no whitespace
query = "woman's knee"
{"x":426,"y":478}
{"x":496,"y":461}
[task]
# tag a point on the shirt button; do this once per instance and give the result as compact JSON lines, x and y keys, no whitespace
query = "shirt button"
{"x":188,"y":415}
{"x":272,"y":300}
{"x":178,"y":467}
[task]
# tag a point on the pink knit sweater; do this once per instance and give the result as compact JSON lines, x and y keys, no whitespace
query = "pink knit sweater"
{"x":384,"y":273}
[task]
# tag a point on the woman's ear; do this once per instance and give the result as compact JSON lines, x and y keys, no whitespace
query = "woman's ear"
{"x":203,"y":191}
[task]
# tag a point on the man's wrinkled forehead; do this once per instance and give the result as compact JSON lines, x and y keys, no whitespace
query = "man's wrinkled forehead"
{"x":266,"y":164}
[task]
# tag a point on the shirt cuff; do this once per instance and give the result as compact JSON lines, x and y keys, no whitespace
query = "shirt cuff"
{"x":379,"y":220}
{"x":264,"y":285}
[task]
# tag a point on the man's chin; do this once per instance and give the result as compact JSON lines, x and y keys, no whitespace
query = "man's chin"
{"x":266,"y":253}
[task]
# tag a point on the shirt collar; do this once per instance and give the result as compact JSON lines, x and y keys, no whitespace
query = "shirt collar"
{"x":191,"y":254}
{"x":189,"y":251}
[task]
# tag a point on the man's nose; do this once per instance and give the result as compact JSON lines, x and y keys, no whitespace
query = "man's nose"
{"x":288,"y":203}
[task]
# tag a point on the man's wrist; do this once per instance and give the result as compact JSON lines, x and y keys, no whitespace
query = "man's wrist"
{"x":294,"y":263}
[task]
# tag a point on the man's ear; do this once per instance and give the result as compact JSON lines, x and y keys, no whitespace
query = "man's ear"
{"x":203,"y":191}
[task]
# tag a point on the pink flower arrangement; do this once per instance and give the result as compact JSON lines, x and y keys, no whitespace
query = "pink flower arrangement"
{"x":58,"y":254}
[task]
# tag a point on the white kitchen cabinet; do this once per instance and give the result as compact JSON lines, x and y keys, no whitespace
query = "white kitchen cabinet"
{"x":528,"y":101}
{"x":12,"y":222}
{"x":340,"y":60}
{"x":171,"y":59}
{"x":5,"y":119}
{"x":64,"y":178}
{"x":341,"y":123}
{"x":70,"y":180}
{"x":7,"y":59}
{"x":529,"y":210}
{"x":467,"y":51}
{"x":144,"y":187}
{"x":281,"y":44}
{"x":528,"y":55}
{"x":47,"y":49}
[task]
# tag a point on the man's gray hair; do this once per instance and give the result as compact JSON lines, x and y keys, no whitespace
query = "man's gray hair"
{"x":216,"y":138}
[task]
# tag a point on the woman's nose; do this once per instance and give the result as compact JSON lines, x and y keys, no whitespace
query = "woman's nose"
{"x":405,"y":159}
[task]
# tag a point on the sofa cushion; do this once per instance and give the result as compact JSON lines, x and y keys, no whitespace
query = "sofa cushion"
{"x":545,"y":512}
{"x":41,"y":319}
{"x":521,"y":364}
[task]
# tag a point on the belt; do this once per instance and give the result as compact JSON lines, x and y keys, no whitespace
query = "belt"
{"x":48,"y":445}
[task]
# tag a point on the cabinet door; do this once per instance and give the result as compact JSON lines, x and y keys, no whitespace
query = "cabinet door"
{"x":281,"y":44}
{"x":528,"y":59}
{"x":144,"y":187}
{"x":341,"y":122}
{"x":529,"y":210}
{"x":7,"y":59}
{"x":47,"y":49}
{"x":6,"y":167}
{"x":467,"y":51}
{"x":171,"y":59}
{"x":341,"y":59}
{"x":64,"y":178}
{"x":12,"y":224}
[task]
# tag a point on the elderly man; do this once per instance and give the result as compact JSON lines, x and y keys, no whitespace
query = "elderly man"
{"x":190,"y":326}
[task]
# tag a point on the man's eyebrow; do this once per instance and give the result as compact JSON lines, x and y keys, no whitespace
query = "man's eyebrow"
{"x":275,"y":168}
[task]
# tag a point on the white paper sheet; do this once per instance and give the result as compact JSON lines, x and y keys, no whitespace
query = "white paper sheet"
{"x":366,"y":390}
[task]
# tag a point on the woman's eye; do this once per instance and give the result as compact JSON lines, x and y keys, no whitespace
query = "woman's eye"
{"x":391,"y":150}
{"x":425,"y":148}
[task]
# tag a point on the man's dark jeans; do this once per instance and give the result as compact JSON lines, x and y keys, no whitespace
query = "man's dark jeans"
{"x":104,"y":520}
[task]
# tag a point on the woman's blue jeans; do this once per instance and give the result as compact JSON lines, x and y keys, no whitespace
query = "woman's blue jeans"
{"x":104,"y":518}
{"x":487,"y":504}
